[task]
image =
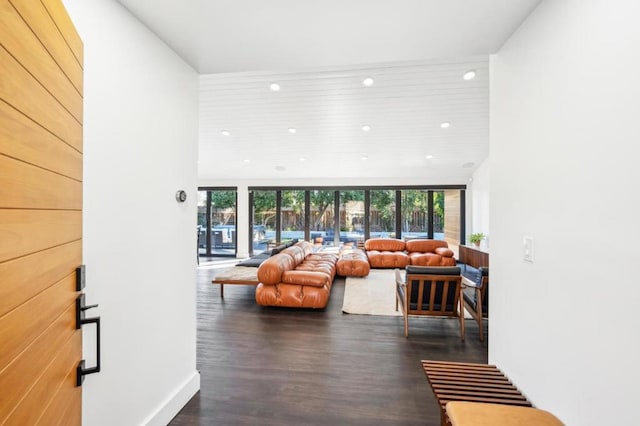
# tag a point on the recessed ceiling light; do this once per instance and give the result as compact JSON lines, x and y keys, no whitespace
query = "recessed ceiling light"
{"x":302,"y":159}
{"x":247,"y":160}
{"x":366,"y":128}
{"x":292,"y":130}
{"x":368,"y":82}
{"x":364,"y":158}
{"x":469,"y":75}
{"x":225,"y":133}
{"x":429,"y":157}
{"x":445,"y":124}
{"x":274,"y":87}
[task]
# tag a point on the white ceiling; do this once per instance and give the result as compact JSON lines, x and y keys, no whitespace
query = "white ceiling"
{"x":319,"y":52}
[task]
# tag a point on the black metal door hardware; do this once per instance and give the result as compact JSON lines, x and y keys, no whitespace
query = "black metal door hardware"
{"x":81,"y":320}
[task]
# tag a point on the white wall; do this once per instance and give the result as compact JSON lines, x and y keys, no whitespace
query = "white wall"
{"x":140,"y":147}
{"x":565,"y":109}
{"x":479,"y":189}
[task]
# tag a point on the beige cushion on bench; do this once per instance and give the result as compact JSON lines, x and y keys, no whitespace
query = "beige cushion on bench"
{"x":481,"y":414}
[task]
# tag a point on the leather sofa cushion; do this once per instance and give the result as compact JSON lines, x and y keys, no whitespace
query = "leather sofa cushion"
{"x":384,"y":244}
{"x":426,"y":246}
{"x":444,"y":251}
{"x":270,"y":271}
{"x":430,"y":259}
{"x":292,"y":295}
{"x":306,"y":246}
{"x":311,"y":278}
{"x":354,"y":264}
{"x":425,"y":259}
{"x":296,"y":252}
{"x":387,"y":259}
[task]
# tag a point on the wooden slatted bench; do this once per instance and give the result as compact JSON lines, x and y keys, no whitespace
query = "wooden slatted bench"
{"x":459,"y":381}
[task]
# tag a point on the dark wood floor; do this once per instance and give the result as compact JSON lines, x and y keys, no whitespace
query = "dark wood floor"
{"x":277,"y":366}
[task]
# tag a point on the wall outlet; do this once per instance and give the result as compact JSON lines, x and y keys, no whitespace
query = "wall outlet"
{"x":527,"y":246}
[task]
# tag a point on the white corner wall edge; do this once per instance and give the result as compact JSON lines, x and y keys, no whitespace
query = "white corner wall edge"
{"x":172,"y":406}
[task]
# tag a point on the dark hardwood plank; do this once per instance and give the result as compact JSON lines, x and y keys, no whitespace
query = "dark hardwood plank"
{"x":273,"y":366}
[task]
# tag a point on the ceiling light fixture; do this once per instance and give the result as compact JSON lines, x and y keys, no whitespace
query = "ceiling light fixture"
{"x":445,"y":124}
{"x":274,"y":87}
{"x":368,"y":82}
{"x":364,"y":158}
{"x":366,"y":128}
{"x":292,"y":130}
{"x":247,"y":160}
{"x":429,"y":157}
{"x":302,"y":159}
{"x":225,"y":133}
{"x":469,"y":75}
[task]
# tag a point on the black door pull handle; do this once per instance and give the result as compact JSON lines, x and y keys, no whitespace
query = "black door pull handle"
{"x":80,"y":321}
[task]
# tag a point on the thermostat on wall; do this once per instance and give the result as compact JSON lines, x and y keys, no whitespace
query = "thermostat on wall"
{"x":181,"y":196}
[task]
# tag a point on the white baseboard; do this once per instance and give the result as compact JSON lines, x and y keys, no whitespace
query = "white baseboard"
{"x":172,"y":406}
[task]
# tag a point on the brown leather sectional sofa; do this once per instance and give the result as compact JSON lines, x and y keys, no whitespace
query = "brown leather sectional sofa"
{"x":299,"y":278}
{"x":296,"y":277}
{"x":394,"y":253}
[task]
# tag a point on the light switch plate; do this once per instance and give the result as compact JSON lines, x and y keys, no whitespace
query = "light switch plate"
{"x":527,"y":246}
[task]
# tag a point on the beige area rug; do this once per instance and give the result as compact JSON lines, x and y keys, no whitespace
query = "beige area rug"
{"x":374,"y":294}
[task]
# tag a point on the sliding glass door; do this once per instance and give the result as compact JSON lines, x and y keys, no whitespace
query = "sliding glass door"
{"x":348,"y":216}
{"x":264,"y":220}
{"x":217,"y":225}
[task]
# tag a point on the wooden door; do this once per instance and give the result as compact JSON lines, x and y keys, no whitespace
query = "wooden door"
{"x":40,"y":213}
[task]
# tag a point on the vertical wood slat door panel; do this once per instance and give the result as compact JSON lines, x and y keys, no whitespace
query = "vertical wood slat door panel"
{"x":27,"y":231}
{"x":24,"y":277}
{"x":25,"y":47}
{"x":28,"y":96}
{"x":25,"y":371}
{"x":50,"y":35}
{"x":22,"y":138}
{"x":24,"y":186}
{"x":40,"y":213}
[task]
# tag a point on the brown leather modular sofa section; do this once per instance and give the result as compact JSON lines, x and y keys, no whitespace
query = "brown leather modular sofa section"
{"x":394,"y":253}
{"x":353,"y":263}
{"x":296,"y":278}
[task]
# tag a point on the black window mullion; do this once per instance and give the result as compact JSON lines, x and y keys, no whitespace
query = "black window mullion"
{"x":336,"y":218}
{"x":367,"y":212}
{"x":430,"y":215}
{"x":278,"y":216}
{"x":208,"y":225}
{"x":307,"y":215}
{"x":463,"y":220}
{"x":399,"y":214}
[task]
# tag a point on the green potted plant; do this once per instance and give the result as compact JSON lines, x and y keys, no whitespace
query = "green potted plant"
{"x":476,"y":238}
